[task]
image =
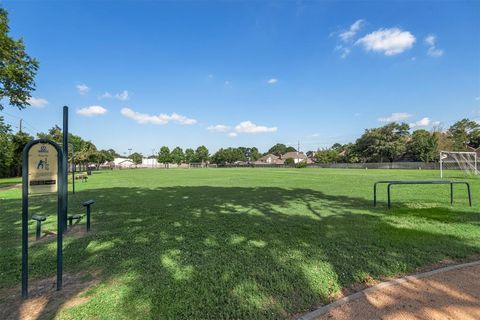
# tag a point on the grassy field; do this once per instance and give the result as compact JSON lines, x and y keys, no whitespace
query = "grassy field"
{"x":239,"y":243}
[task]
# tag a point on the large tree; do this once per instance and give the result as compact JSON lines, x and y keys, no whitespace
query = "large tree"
{"x":136,"y":158}
{"x":327,"y":156}
{"x":164,"y":156}
{"x":423,"y":146}
{"x":280,"y":149}
{"x":189,"y":155}
{"x":201,"y":154}
{"x":228,"y":156}
{"x":384,"y":143}
{"x":177,"y":155}
{"x":19,"y":140}
{"x":6,"y":150}
{"x":464,"y":133}
{"x":17,"y":68}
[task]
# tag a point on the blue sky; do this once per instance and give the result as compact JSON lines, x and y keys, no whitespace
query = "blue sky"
{"x":145,"y":74}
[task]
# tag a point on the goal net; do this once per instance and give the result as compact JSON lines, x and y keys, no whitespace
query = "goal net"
{"x":456,"y":161}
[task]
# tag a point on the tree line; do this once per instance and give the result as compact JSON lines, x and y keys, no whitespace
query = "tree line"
{"x":80,"y":150}
{"x":395,"y":142}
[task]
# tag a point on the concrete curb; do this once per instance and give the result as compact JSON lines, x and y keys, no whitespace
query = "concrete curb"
{"x":324,"y":309}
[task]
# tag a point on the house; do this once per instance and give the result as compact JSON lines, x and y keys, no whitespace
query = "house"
{"x":123,"y":163}
{"x":297,"y":157}
{"x":269,"y":159}
{"x":273,"y":159}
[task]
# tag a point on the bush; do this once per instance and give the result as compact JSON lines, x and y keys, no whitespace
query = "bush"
{"x":289,"y":162}
{"x":302,"y":164}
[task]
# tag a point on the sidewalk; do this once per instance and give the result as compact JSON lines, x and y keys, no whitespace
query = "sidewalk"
{"x":442,"y":294}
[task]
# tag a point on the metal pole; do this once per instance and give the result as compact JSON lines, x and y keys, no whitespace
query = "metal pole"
{"x":73,"y":170}
{"x":451,"y":193}
{"x":64,"y":165}
{"x":61,"y":213}
{"x":441,"y":165}
{"x":375,"y":195}
{"x":388,"y":195}
{"x":88,"y":218}
{"x":469,"y":194}
{"x":25,"y":222}
{"x":476,"y":171}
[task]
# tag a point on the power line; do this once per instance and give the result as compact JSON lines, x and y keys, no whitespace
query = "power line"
{"x":25,"y":123}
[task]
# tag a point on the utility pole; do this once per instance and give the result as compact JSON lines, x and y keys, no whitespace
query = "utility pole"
{"x":21,"y":122}
{"x":298,"y":151}
{"x":153,"y":156}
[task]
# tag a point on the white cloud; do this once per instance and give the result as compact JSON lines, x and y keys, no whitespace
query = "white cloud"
{"x":162,"y":118}
{"x":272,"y":81}
{"x":92,"y":111}
{"x":232,"y":134}
{"x":82,"y":88}
{"x":344,"y":51}
{"x":218,"y":128}
{"x":424,"y":122}
{"x":352,"y":31}
{"x":346,"y":37}
{"x":37,"y":102}
{"x":388,"y":41}
{"x":122,"y":96}
{"x":434,"y":52}
{"x":250,"y":127}
{"x":431,"y":42}
{"x":394,"y":117}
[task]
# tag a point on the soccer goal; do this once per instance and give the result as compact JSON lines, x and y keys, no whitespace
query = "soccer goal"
{"x":457,"y":160}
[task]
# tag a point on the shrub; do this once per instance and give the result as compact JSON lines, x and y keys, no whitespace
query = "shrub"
{"x":289,"y":162}
{"x":302,"y":164}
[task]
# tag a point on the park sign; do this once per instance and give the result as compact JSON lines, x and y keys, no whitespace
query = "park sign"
{"x":42,"y":168}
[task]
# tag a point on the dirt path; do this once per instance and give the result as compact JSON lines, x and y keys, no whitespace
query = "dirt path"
{"x":12,"y":186}
{"x":451,"y":293}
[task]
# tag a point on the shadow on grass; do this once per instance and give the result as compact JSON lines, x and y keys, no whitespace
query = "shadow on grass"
{"x":215,"y":252}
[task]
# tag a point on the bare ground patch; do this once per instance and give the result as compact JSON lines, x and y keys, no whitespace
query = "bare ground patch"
{"x":44,"y":300}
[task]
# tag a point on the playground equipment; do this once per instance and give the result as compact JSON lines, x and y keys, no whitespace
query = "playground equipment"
{"x":418,"y":182}
{"x":42,"y":171}
{"x":45,"y":170}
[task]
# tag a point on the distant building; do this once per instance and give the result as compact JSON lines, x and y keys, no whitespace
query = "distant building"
{"x":123,"y":163}
{"x":297,"y":157}
{"x":273,"y":159}
{"x":150,"y":163}
{"x":269,"y":159}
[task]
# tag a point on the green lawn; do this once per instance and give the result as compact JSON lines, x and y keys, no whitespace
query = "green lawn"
{"x":239,"y":243}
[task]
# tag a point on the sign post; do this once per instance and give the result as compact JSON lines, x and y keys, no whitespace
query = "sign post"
{"x":42,"y":172}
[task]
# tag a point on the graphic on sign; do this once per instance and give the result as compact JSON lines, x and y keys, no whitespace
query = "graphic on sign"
{"x":42,"y":168}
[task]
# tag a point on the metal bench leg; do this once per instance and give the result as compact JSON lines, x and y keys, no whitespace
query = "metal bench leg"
{"x":375,"y":195}
{"x":388,"y":195}
{"x":39,"y":230}
{"x":451,"y":194}
{"x":469,"y":194}
{"x":88,"y":218}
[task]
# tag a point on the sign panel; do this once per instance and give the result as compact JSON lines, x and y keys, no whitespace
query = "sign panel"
{"x":42,"y":168}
